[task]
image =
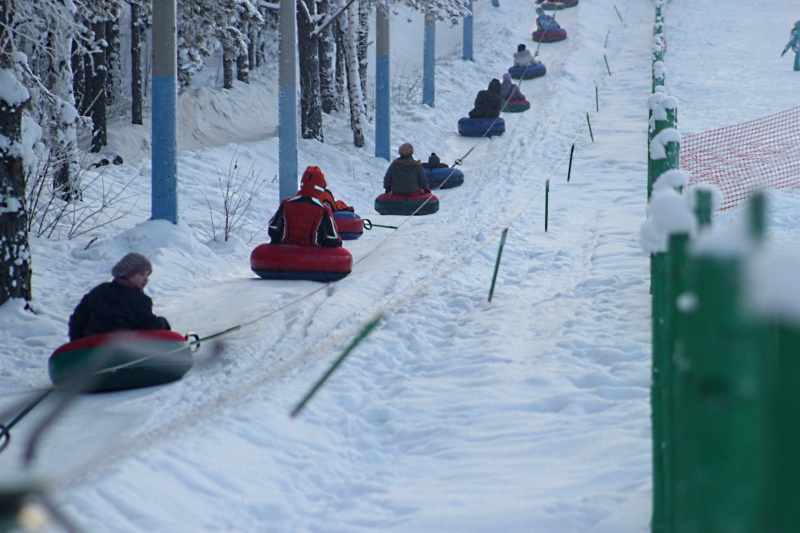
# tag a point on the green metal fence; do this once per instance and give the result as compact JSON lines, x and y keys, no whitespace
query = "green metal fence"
{"x":724,"y":393}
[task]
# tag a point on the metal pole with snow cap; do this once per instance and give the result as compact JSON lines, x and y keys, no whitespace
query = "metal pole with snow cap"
{"x":287,"y":100}
{"x":382,"y":84}
{"x":164,"y":128}
{"x":429,"y":59}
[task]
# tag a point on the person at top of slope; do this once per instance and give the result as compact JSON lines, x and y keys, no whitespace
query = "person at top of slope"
{"x":405,"y":174}
{"x":488,"y":102}
{"x":794,"y":44}
{"x":303,"y":219}
{"x":545,"y":22}
{"x":118,"y":305}
{"x":524,"y":58}
{"x":509,"y":90}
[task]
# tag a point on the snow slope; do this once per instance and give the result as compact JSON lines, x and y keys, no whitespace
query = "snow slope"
{"x":529,"y":413}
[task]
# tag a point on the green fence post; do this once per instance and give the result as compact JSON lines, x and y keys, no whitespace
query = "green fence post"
{"x":659,"y":381}
{"x":722,"y":464}
{"x":664,"y":116}
{"x":787,"y":428}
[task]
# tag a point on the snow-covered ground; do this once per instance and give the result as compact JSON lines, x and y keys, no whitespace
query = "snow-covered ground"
{"x":526,"y":414}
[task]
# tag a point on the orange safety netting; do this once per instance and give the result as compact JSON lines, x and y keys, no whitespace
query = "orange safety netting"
{"x":762,"y":153}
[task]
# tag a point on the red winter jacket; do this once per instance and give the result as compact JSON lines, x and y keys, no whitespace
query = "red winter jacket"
{"x":304,"y":221}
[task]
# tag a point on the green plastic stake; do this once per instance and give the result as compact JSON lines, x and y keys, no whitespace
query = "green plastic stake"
{"x":607,"y":67}
{"x":497,"y":262}
{"x":569,"y":167}
{"x":596,"y":99}
{"x":360,"y":337}
{"x":546,"y":202}
{"x":590,"y":127}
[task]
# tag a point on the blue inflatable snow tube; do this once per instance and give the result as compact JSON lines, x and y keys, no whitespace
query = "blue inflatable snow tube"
{"x":349,"y":225}
{"x":480,"y":127}
{"x":444,"y":178}
{"x":527,"y":73}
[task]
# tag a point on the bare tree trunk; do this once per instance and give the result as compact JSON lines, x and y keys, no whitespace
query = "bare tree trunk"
{"x":362,"y":44}
{"x":15,"y":254}
{"x":227,"y":70}
{"x":137,"y":88}
{"x":341,"y":62}
{"x":243,"y":68}
{"x":113,"y":60}
{"x":63,"y":119}
{"x":78,"y":80}
{"x":308,"y":54}
{"x":96,"y":87}
{"x":327,"y":51}
{"x":353,"y":83}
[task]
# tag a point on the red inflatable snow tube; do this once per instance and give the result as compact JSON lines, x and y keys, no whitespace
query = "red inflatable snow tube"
{"x":349,"y":225}
{"x":549,"y":36}
{"x":121,"y":360}
{"x":292,"y":262}
{"x":560,"y":4}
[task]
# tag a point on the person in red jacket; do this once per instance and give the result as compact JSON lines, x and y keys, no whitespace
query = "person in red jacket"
{"x":323,"y":194}
{"x":303,"y":219}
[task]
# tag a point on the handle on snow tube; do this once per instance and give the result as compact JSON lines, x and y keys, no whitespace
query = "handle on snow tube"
{"x":194,"y":341}
{"x":369,"y":225}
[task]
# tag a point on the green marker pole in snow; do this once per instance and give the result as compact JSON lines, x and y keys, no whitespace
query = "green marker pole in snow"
{"x":546,"y":203}
{"x":497,"y":262}
{"x":360,"y":337}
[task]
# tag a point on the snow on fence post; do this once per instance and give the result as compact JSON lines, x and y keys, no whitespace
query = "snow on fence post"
{"x":772,"y":294}
{"x":664,"y":149}
{"x":721,"y":465}
{"x":658,"y":48}
{"x":665,"y":234}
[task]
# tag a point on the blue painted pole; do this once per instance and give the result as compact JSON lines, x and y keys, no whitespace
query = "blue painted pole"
{"x":467,"y":56}
{"x":496,"y":3}
{"x":383,"y":136}
{"x":287,"y":101}
{"x":164,"y":127}
{"x":429,"y":63}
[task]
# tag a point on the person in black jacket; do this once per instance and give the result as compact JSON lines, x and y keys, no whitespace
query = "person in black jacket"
{"x":118,"y":305}
{"x":488,"y":103}
{"x":405,"y":174}
{"x":434,"y":162}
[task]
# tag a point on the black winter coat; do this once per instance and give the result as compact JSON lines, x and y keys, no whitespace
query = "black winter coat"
{"x":405,"y":175}
{"x":111,"y":307}
{"x":488,"y":102}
